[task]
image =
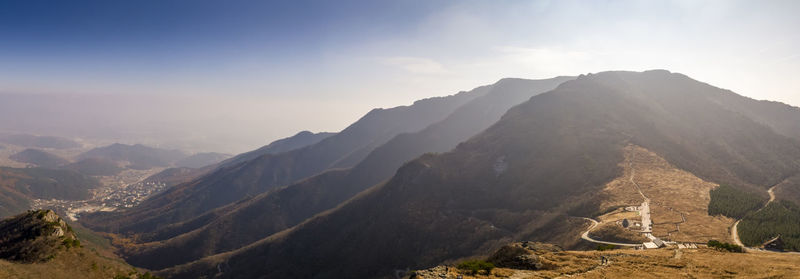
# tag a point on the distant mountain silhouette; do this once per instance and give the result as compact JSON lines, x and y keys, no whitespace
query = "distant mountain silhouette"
{"x":522,"y":178}
{"x":95,"y":166}
{"x":19,"y":185}
{"x":299,"y":140}
{"x":26,"y":140}
{"x":178,"y":175}
{"x":175,"y":176}
{"x":136,"y":156}
{"x":200,"y":160}
{"x":231,"y":183}
{"x":246,"y":221}
{"x":39,"y":158}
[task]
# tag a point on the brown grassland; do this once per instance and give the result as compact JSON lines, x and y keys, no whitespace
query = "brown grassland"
{"x":673,"y":192}
{"x":661,"y":263}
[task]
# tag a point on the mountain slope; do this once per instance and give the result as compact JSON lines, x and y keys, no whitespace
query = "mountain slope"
{"x":200,"y":160}
{"x":43,"y":183}
{"x":247,"y":221}
{"x":520,"y":179}
{"x":39,"y":244}
{"x":299,"y":140}
{"x":39,"y":158}
{"x":34,"y":236}
{"x":95,"y":166}
{"x":228,"y":184}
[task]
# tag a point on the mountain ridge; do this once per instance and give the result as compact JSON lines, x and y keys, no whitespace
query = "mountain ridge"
{"x":461,"y":203}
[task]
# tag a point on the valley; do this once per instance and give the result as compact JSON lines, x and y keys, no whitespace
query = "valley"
{"x":124,"y":190}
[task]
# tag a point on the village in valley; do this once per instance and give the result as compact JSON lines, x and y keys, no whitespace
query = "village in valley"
{"x":124,"y":190}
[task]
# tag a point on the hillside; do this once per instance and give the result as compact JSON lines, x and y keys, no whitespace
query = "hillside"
{"x":175,"y":176}
{"x":200,"y":160}
{"x":231,"y":183}
{"x":39,"y":244}
{"x":44,"y":183}
{"x":95,"y":166}
{"x":299,"y":140}
{"x":34,"y":236}
{"x":527,"y":260}
{"x":135,"y":156}
{"x":39,"y":158}
{"x":19,"y":186}
{"x":523,"y":178}
{"x":250,"y":220}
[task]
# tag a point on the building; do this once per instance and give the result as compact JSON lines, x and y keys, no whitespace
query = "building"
{"x":655,"y":244}
{"x":650,"y":245}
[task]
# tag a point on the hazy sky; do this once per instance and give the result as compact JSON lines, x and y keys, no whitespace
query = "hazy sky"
{"x":322,"y":64}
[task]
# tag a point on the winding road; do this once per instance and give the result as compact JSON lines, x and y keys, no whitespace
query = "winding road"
{"x":735,"y":228}
{"x":645,"y":212}
{"x":585,"y":236}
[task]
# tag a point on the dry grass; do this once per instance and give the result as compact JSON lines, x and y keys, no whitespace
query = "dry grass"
{"x":672,"y":192}
{"x":75,"y":263}
{"x":662,"y":263}
{"x":615,"y":233}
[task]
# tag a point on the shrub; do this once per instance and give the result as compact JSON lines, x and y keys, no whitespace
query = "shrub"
{"x":474,"y":266}
{"x":67,"y":242}
{"x":725,"y":246}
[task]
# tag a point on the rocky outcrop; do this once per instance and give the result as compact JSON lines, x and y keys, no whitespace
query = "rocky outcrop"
{"x":35,"y":236}
{"x":522,"y":255}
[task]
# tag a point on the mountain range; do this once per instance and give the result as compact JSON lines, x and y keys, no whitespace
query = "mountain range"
{"x":532,"y":175}
{"x":232,"y":182}
{"x":248,"y":220}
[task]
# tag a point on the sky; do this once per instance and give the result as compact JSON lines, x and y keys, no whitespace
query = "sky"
{"x":275,"y":68}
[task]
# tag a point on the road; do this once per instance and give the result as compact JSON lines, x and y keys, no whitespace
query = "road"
{"x":644,"y":211}
{"x":735,"y":228}
{"x":585,"y":236}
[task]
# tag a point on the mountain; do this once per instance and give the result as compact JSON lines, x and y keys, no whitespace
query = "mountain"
{"x":527,"y":177}
{"x":200,"y":160}
{"x":39,"y":158}
{"x":41,"y":183}
{"x":299,"y":140}
{"x":175,"y":176}
{"x":34,"y":141}
{"x":269,"y":213}
{"x":178,"y":175}
{"x":135,"y":156}
{"x":11,"y":200}
{"x":231,"y":183}
{"x":19,"y":186}
{"x":95,"y":166}
{"x":39,"y":244}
